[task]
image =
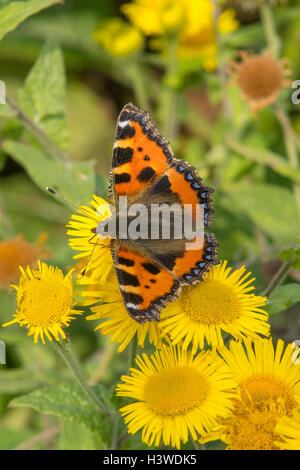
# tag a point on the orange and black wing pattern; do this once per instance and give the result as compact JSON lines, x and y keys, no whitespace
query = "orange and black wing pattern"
{"x":144,"y":169}
{"x":140,"y":155}
{"x":145,"y":285}
{"x":188,"y":265}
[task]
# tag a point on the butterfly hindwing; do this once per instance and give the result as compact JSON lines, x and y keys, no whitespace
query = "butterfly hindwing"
{"x":145,"y":285}
{"x":191,"y":267}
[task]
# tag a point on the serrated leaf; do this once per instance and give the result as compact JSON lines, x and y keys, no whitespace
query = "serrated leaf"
{"x":271,"y":207}
{"x":117,"y":401}
{"x":68,"y":401}
{"x":283,"y":297}
{"x":74,"y":181}
{"x":14,"y":13}
{"x":43,"y":95}
{"x":17,"y":381}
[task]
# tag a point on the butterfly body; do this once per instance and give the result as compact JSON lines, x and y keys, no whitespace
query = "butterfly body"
{"x":152,"y":269}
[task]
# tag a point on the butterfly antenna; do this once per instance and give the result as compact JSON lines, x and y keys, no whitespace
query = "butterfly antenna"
{"x":59,"y":196}
{"x":82,"y":274}
{"x":70,"y":204}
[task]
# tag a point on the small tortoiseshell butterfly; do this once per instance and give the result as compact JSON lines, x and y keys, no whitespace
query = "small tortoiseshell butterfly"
{"x":151,"y":271}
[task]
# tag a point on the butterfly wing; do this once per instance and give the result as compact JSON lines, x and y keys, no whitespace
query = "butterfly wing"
{"x":140,"y":155}
{"x":182,"y":180}
{"x":145,"y":285}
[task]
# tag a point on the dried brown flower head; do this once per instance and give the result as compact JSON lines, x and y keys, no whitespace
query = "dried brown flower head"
{"x":260,"y":78}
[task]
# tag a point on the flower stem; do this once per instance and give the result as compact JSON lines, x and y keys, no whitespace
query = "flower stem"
{"x":272,"y":37}
{"x":138,"y":84}
{"x":132,"y":351}
{"x":279,"y":277}
{"x":222,"y":65}
{"x":122,"y":439}
{"x":104,"y":361}
{"x":169,"y":98}
{"x":274,"y":43}
{"x":50,"y":146}
{"x":114,"y":437}
{"x":8,"y":226}
{"x":290,"y":146}
{"x":74,"y":366}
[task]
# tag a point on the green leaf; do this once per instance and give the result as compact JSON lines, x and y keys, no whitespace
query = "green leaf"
{"x":69,"y":402}
{"x":74,"y":181}
{"x":248,"y":35}
{"x":75,"y":436}
{"x":43,"y":95}
{"x":266,"y":157}
{"x":283,"y":297}
{"x":271,"y":207}
{"x":292,"y":252}
{"x":18,"y":381}
{"x":14,"y":13}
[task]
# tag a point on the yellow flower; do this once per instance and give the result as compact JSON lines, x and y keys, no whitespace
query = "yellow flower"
{"x":19,"y":252}
{"x":116,"y":322}
{"x":221,"y":302}
{"x":176,"y":395}
{"x":193,"y":19}
{"x":289,"y":430}
{"x":260,"y":78}
{"x":202,"y":42}
{"x":268,"y":387}
{"x":93,"y":247}
{"x":157,"y":16}
{"x":45,"y":302}
{"x":118,"y":38}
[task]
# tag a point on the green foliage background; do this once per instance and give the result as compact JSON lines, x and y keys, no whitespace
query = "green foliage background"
{"x":74,"y":90}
